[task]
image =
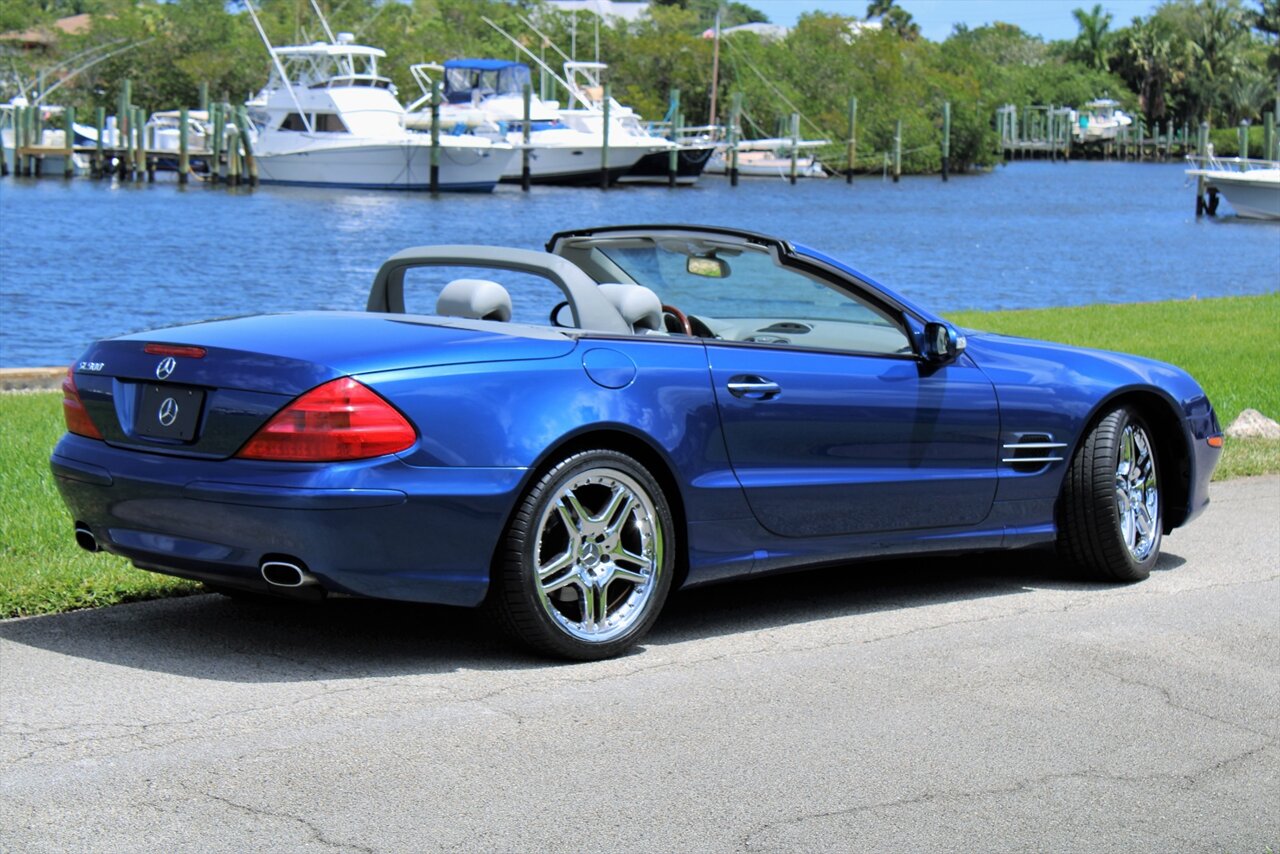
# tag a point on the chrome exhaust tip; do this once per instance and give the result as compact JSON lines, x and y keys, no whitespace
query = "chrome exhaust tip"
{"x":281,"y":573}
{"x":85,"y":538}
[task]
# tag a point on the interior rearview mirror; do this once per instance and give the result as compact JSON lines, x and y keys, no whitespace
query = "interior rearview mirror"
{"x":942,"y":343}
{"x":707,"y":266}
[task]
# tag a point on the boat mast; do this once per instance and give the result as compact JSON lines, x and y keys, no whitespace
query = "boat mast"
{"x":306,"y":120}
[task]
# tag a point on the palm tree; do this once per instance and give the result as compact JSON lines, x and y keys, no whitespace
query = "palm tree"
{"x":1091,"y":42}
{"x":1151,"y":61}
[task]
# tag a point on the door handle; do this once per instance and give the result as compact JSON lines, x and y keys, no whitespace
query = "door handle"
{"x":753,"y":387}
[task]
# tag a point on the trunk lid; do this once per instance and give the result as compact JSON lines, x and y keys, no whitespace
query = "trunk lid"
{"x":209,"y":405}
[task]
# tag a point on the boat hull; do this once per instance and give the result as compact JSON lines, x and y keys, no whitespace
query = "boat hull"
{"x":570,"y":164}
{"x":389,"y":166}
{"x":1252,"y":194}
{"x":757,"y":164}
{"x":655,"y":168}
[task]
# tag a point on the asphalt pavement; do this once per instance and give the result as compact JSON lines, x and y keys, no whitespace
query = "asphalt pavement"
{"x":940,"y":704}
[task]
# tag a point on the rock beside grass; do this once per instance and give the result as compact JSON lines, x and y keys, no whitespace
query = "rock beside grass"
{"x":1252,"y":424}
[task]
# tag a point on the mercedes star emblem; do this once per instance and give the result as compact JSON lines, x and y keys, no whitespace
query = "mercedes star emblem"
{"x":166,"y":366}
{"x":168,"y":412}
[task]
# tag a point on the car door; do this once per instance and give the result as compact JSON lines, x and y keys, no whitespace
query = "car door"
{"x":828,"y":443}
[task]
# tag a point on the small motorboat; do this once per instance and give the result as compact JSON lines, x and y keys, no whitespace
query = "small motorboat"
{"x":1252,"y":187}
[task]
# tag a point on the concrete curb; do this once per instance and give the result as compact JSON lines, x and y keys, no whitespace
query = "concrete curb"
{"x":31,"y":379}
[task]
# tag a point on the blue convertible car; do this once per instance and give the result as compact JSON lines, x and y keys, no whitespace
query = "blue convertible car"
{"x":565,"y":436}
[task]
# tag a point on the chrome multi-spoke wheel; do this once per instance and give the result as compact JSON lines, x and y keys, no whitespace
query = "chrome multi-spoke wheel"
{"x":1109,"y":516}
{"x":599,"y":549}
{"x":1137,"y":492}
{"x":589,"y":558}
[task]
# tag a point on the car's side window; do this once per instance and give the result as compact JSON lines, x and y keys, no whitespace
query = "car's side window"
{"x":532,"y":297}
{"x":744,"y":295}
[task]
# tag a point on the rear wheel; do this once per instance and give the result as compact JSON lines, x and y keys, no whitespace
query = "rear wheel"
{"x":1111,"y":514}
{"x":587,"y":561}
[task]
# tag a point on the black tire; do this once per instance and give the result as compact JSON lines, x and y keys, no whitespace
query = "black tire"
{"x":1100,"y":527}
{"x":590,"y":563}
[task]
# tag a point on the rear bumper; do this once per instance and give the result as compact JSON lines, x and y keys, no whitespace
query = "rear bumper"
{"x":392,"y":531}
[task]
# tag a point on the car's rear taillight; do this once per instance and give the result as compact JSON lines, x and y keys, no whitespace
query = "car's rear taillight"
{"x":340,"y":420}
{"x":73,"y":409}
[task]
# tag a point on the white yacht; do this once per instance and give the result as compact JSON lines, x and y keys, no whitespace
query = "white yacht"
{"x":486,"y":97}
{"x":327,"y":117}
{"x":1099,"y":121}
{"x":1251,"y":186}
{"x":583,"y":80}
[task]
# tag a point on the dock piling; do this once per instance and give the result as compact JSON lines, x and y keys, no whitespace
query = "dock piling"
{"x":946,"y":138}
{"x":69,"y":142}
{"x":852,"y":153}
{"x":795,"y":146}
{"x":1242,"y":133}
{"x":735,"y":117}
{"x":100,"y":128}
{"x":434,"y":180}
{"x":250,"y":170}
{"x":184,"y":150}
{"x":897,"y":151}
{"x":525,"y":177}
{"x":673,"y":156}
{"x":1269,"y":136}
{"x":604,"y":142}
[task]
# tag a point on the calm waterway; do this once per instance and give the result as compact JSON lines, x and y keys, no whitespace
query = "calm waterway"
{"x":86,"y":259}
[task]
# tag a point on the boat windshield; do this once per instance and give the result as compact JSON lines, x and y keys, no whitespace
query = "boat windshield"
{"x":465,"y":79}
{"x":327,"y":67}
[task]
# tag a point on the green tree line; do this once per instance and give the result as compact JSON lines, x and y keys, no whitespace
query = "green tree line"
{"x":1190,"y":60}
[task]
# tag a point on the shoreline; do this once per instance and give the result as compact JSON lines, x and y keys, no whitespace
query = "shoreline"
{"x":31,"y":379}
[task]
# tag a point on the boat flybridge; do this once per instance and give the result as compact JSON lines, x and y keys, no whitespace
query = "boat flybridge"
{"x":486,"y":97}
{"x":327,"y":117}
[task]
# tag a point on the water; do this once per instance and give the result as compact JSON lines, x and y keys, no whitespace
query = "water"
{"x":85,"y":259}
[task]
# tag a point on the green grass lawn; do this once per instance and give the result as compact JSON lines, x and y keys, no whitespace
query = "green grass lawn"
{"x":42,"y":570}
{"x":1229,"y":345}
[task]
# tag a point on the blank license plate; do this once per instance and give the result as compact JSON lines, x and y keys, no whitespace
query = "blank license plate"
{"x":169,"y":412}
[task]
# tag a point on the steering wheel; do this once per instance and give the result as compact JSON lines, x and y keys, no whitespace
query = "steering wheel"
{"x":681,"y":320}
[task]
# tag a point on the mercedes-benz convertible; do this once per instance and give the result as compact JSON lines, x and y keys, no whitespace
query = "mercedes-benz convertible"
{"x":565,"y":436}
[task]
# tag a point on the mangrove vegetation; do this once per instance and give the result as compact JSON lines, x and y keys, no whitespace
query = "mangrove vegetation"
{"x":1189,"y":61}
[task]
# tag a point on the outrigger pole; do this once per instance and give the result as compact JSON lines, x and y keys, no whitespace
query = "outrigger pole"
{"x":533,"y":56}
{"x":306,"y":120}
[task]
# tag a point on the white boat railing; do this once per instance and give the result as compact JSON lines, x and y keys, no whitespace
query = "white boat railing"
{"x":1212,"y":163}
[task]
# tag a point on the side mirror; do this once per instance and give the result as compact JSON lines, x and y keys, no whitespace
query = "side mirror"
{"x":942,"y":343}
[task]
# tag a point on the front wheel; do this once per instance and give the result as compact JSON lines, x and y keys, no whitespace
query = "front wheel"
{"x":587,"y":560}
{"x":1111,"y":514}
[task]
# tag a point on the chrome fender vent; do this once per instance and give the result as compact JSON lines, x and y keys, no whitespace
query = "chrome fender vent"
{"x":1032,"y":452}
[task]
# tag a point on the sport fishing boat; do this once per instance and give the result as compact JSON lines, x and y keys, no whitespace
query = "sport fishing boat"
{"x":584,"y":82}
{"x":327,"y":117}
{"x":486,"y":97}
{"x":1252,"y":187}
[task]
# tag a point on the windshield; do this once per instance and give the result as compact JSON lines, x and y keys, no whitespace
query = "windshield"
{"x":740,"y":292}
{"x":460,"y":82}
